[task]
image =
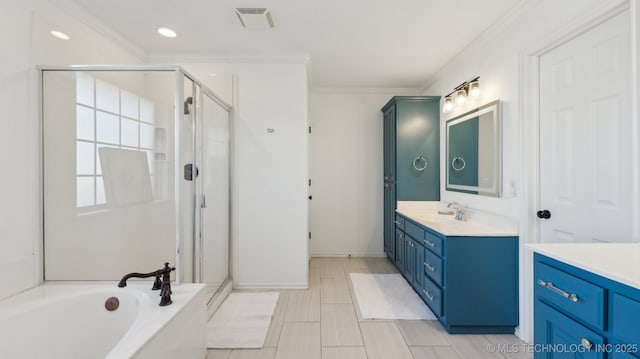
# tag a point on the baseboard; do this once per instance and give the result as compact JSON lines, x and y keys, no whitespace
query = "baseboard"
{"x":353,"y":255}
{"x":272,"y":286}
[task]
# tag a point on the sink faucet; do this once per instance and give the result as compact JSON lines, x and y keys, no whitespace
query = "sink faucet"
{"x":164,"y":285}
{"x":460,"y":212}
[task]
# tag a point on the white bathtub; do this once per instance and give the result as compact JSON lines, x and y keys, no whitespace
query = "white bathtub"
{"x":70,"y":321}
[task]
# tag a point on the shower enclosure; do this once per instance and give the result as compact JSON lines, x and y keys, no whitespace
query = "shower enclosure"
{"x":135,"y":174}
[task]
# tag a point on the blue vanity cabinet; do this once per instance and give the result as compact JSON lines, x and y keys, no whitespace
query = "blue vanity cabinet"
{"x":583,"y":314}
{"x":470,"y":283}
{"x":411,"y":136}
{"x":409,"y":254}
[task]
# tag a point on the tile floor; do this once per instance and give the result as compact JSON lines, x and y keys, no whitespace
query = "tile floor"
{"x":323,"y":322}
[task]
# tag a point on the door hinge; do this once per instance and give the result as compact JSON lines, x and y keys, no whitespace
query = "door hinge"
{"x":309,"y":235}
{"x":309,"y":182}
{"x":309,"y":129}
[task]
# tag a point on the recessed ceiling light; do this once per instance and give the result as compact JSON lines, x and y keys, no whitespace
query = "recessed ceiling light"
{"x":166,"y":32}
{"x":60,"y":35}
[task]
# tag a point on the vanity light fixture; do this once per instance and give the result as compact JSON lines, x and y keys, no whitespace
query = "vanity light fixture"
{"x":460,"y":94}
{"x":166,"y":32}
{"x":59,"y":35}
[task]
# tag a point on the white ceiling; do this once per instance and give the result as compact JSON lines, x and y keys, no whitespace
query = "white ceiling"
{"x":350,"y":43}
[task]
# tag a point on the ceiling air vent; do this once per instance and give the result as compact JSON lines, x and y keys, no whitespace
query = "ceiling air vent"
{"x":255,"y":18}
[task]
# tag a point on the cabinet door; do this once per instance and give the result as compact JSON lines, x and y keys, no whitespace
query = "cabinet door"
{"x":389,"y":225}
{"x":389,"y":182}
{"x":389,"y":144}
{"x":418,"y":269}
{"x":417,"y":136}
{"x":399,"y":239}
{"x":558,"y":336}
{"x":408,"y":258}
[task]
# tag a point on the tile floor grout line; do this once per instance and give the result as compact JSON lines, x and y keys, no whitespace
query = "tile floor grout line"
{"x":356,"y":311}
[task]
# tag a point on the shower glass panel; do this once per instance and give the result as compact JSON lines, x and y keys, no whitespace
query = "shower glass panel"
{"x":187,"y":182}
{"x":213,"y":151}
{"x":135,"y":174}
{"x":108,"y":171}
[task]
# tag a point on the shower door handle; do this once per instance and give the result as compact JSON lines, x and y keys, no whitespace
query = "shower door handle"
{"x":189,"y":174}
{"x":203,"y":201}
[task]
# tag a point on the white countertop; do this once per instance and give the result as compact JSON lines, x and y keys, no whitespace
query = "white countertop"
{"x":617,"y":261}
{"x":445,"y":224}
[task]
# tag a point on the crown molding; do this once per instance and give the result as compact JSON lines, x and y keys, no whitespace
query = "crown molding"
{"x":233,"y":59}
{"x":366,"y":90}
{"x":486,"y":36}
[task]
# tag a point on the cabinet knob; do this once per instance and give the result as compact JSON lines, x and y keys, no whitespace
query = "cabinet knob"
{"x":586,"y":343}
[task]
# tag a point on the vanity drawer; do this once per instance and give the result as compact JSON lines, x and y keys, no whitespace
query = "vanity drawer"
{"x":432,"y":295}
{"x":433,"y":267}
{"x":399,"y":222}
{"x":571,"y":294}
{"x":572,"y":338}
{"x":625,"y":316}
{"x":432,"y":243}
{"x":413,"y":230}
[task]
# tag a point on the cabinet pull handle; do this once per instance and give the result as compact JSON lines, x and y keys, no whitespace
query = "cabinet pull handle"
{"x":430,"y":267}
{"x":429,"y":243}
{"x":397,"y":222}
{"x":401,"y":235}
{"x":586,"y":343}
{"x":427,"y":294}
{"x":571,"y":296}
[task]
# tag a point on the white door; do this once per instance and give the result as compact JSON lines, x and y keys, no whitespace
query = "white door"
{"x":585,"y":137}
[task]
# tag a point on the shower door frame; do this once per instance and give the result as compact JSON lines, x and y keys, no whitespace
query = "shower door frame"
{"x":180,"y":75}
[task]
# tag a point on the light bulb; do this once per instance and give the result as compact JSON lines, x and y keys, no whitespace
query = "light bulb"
{"x":448,"y":104}
{"x":461,"y":96}
{"x":474,"y":89}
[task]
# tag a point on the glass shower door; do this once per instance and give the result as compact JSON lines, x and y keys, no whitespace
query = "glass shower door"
{"x":212,"y":138}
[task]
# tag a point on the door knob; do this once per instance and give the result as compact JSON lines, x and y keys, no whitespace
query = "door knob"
{"x":543,"y":214}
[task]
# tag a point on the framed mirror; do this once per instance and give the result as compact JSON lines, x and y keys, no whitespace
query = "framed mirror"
{"x":474,"y":152}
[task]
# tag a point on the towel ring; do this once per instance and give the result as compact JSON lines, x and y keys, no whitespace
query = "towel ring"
{"x":458,"y":159}
{"x":417,"y":160}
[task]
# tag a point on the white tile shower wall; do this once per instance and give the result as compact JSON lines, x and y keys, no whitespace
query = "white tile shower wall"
{"x":24,"y":45}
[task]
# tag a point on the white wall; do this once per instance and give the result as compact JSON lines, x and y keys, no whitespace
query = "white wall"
{"x":496,"y":58}
{"x":25,"y":41}
{"x":345,"y":165}
{"x":270,"y":171}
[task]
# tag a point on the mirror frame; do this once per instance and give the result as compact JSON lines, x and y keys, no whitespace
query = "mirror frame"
{"x":495,"y":190}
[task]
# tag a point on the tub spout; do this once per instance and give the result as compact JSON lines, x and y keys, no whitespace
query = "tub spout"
{"x":164,"y":286}
{"x":156,"y":283}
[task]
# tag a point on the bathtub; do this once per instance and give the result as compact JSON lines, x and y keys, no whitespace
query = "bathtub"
{"x":69,"y":320}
